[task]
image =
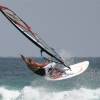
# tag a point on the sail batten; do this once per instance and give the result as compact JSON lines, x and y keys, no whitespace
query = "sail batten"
{"x":27,"y":32}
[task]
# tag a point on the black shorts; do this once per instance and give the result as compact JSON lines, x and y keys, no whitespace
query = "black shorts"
{"x":40,"y":72}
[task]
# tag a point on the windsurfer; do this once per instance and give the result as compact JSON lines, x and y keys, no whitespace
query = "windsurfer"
{"x":36,"y":67}
{"x":42,"y":69}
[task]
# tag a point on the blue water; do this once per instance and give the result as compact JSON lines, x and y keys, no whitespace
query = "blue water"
{"x":17,"y":82}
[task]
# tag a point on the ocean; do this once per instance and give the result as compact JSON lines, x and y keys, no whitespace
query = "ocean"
{"x":17,"y":82}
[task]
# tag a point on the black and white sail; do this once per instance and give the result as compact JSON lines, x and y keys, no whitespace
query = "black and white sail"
{"x":33,"y":37}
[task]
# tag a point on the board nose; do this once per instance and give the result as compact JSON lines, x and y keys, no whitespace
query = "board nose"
{"x":87,"y":63}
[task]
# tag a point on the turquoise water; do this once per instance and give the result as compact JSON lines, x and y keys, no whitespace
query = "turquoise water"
{"x":17,"y":82}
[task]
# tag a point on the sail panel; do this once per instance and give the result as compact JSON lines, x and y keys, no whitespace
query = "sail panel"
{"x":23,"y":27}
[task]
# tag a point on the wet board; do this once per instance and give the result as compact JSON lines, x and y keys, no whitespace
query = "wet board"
{"x":54,"y":73}
{"x":76,"y":69}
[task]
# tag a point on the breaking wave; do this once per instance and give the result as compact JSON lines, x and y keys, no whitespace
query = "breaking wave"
{"x":31,"y":93}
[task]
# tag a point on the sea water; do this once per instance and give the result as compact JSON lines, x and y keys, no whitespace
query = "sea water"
{"x":17,"y":82}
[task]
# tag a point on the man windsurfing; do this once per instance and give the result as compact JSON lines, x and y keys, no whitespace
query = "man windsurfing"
{"x":35,"y":66}
{"x":42,"y":69}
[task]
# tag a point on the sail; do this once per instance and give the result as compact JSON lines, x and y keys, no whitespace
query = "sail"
{"x":32,"y":36}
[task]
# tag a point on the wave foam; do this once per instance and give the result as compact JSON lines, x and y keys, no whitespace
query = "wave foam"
{"x":6,"y":94}
{"x":31,"y":93}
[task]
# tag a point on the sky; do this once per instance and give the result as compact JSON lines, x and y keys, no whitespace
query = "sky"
{"x":72,"y":27}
